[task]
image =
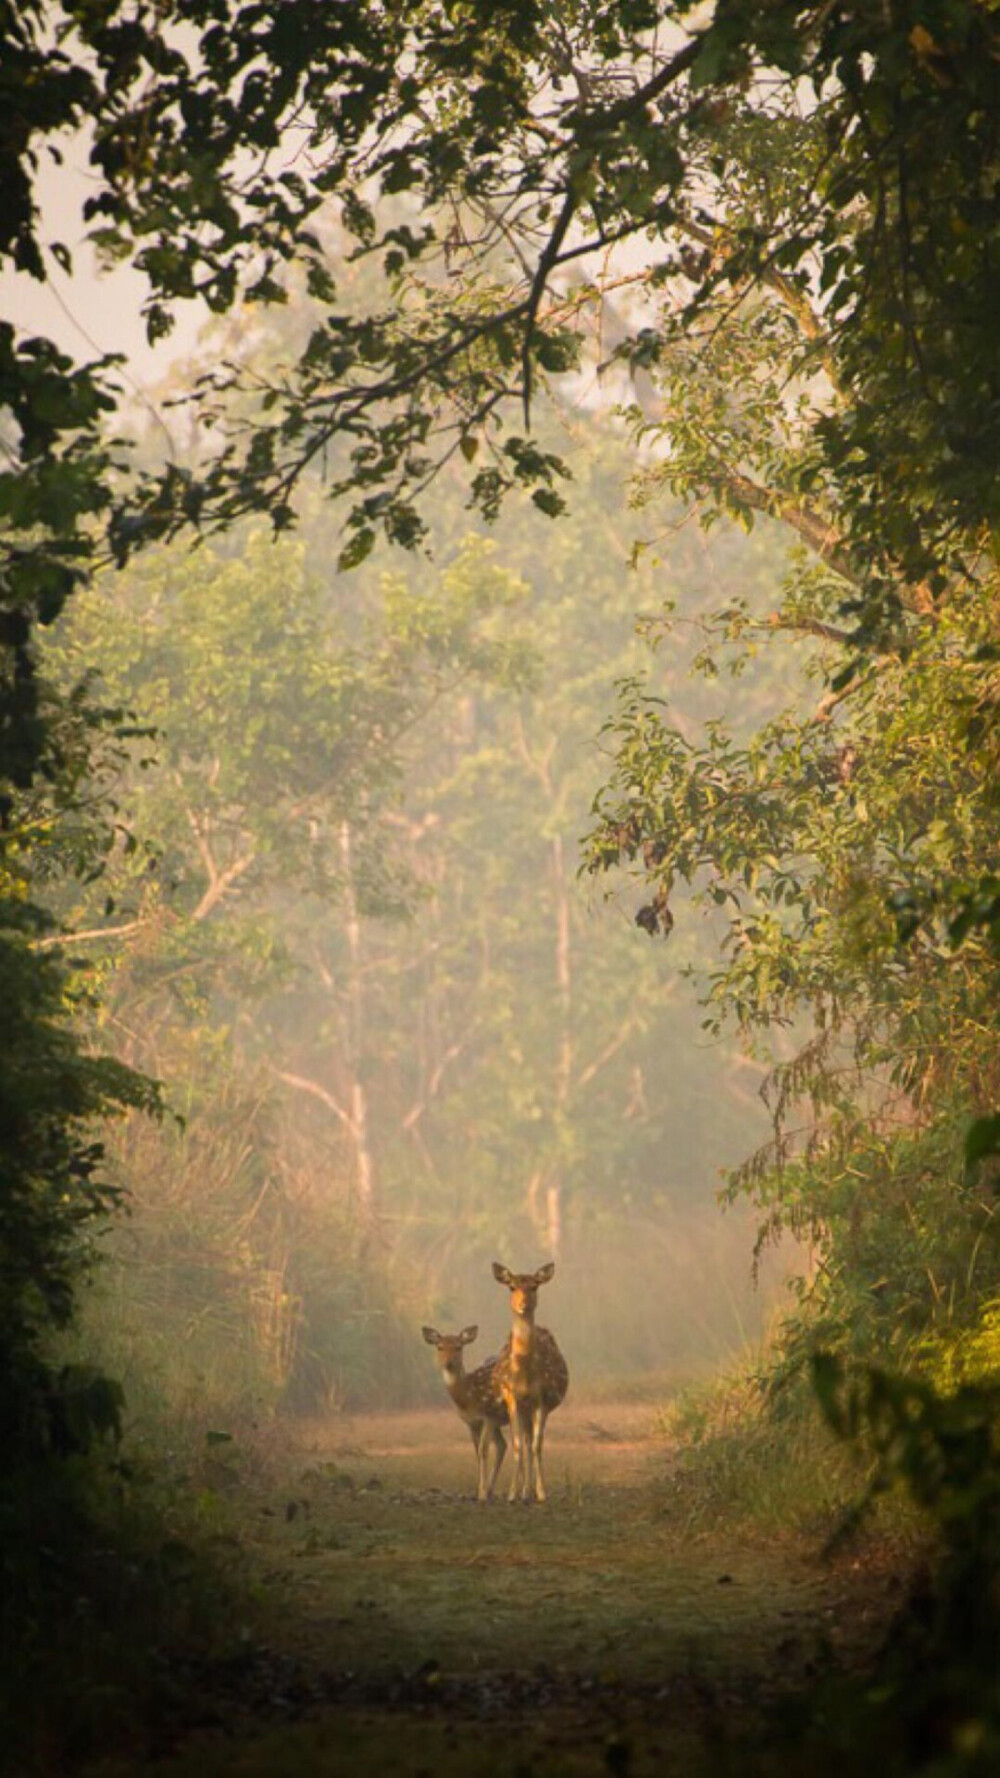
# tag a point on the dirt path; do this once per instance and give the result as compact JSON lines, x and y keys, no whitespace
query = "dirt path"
{"x":415,"y":1632}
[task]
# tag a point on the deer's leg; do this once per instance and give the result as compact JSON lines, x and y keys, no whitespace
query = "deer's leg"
{"x":476,"y":1434}
{"x":538,"y":1418}
{"x":527,"y":1455}
{"x":483,"y":1448}
{"x":517,"y":1445}
{"x":499,"y":1452}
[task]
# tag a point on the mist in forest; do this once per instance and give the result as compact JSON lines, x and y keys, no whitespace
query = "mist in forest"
{"x":402,"y":1032}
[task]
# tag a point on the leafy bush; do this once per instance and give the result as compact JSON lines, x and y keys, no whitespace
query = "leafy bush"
{"x":54,"y":1192}
{"x":755,"y":1458}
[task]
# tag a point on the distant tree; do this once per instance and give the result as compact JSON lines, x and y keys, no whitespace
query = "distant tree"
{"x":278,"y":762}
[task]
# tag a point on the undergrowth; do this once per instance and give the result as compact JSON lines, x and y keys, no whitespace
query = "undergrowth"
{"x":752,"y":1458}
{"x":122,"y":1577}
{"x":754,"y":1448}
{"x":190,"y":1348}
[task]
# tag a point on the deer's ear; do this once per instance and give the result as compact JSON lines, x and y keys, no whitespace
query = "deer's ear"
{"x":501,"y":1273}
{"x":544,"y":1273}
{"x":468,"y":1334}
{"x":431,"y":1335}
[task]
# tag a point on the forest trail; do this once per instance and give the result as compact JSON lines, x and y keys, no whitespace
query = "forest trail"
{"x":414,"y":1632}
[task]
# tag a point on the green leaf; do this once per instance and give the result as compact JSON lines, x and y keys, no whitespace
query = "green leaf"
{"x":549,"y":502}
{"x":356,"y":549}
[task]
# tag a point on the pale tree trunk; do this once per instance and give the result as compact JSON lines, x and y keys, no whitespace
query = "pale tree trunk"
{"x":564,"y":1065}
{"x":358,"y":1120}
{"x":548,"y":1215}
{"x":553,"y":1217}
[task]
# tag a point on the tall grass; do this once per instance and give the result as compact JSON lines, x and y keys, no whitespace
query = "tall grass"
{"x":240,"y":1285}
{"x":760,"y":1460}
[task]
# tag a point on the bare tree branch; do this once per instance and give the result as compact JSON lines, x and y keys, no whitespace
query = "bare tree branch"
{"x":594,"y":1068}
{"x":83,"y":938}
{"x":451,"y":1054}
{"x":224,"y":880}
{"x":304,"y":1085}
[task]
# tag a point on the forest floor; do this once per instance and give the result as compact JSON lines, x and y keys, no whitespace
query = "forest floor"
{"x":409,"y":1631}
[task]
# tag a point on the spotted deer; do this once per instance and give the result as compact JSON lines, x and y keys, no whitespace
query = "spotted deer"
{"x":532,"y":1377}
{"x":478,"y":1401}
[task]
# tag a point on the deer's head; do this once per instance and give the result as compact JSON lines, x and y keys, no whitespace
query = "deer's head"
{"x":523,"y":1286}
{"x":449,"y":1347}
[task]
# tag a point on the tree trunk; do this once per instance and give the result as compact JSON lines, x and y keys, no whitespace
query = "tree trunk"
{"x":564,"y":1065}
{"x":354,"y":1042}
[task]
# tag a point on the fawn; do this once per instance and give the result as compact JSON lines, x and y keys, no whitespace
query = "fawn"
{"x":478,"y":1401}
{"x":532,"y":1377}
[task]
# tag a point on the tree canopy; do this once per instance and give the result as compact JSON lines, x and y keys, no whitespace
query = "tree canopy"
{"x":500,"y":163}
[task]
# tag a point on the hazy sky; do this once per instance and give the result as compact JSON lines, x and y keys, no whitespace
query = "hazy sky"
{"x":90,"y":312}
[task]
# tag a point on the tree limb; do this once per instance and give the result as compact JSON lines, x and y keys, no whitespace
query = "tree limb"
{"x":594,"y":1068}
{"x":82,"y":938}
{"x":223,"y":880}
{"x":305,"y":1085}
{"x":817,"y":532}
{"x":417,"y":1110}
{"x":589,"y":124}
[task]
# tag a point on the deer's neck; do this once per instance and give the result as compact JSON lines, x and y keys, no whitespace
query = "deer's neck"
{"x":522,"y":1332}
{"x":457,"y":1384}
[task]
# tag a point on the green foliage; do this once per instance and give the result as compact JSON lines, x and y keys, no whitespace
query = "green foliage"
{"x":839,"y":854}
{"x":941,"y":1445}
{"x":800,"y":843}
{"x":953,"y":1359}
{"x":242,"y":1284}
{"x":933,"y":1701}
{"x":269,"y":813}
{"x":755,"y":1460}
{"x":57,"y":1092}
{"x":836,"y":851}
{"x":876,"y":196}
{"x":54,"y":1192}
